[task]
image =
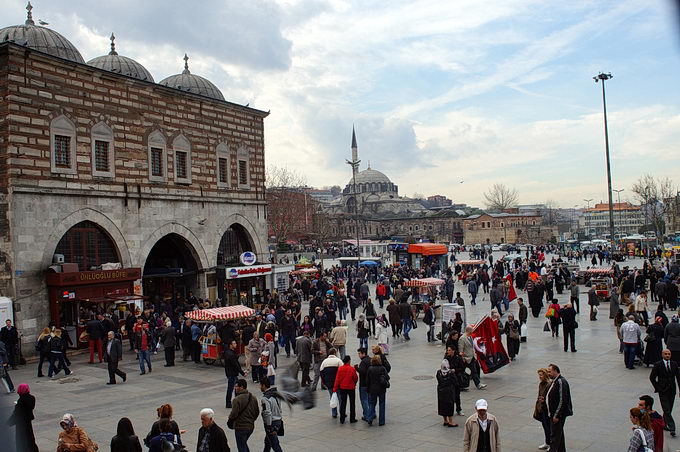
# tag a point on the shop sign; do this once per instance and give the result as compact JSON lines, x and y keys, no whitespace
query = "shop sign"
{"x":248,"y":258}
{"x":93,"y":277}
{"x":245,"y":272}
{"x":398,"y":246}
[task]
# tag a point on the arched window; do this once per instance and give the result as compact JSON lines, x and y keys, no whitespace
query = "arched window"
{"x":182,"y":153}
{"x":87,"y":245}
{"x":158,"y":158}
{"x":63,"y":145}
{"x":103,"y":159}
{"x":234,"y":242}
{"x":351,"y":205}
{"x":223,"y":166}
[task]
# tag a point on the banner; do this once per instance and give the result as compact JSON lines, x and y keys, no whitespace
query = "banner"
{"x":489,"y":350}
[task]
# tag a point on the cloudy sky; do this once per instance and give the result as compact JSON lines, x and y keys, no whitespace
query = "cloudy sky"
{"x":439,"y":91}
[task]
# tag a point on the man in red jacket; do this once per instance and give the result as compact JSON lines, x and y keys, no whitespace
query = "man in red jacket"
{"x":345,"y":383}
{"x":646,"y":403}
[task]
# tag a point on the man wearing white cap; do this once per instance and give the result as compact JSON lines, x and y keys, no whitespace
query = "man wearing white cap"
{"x":481,"y":431}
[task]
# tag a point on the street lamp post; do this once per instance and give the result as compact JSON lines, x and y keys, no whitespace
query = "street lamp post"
{"x":354,"y":163}
{"x":587,"y":218}
{"x":618,"y":195}
{"x":604,"y":77}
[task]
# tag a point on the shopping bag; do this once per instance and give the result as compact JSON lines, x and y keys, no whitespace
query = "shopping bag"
{"x":523,"y":330}
{"x":546,"y":327}
{"x":334,"y":400}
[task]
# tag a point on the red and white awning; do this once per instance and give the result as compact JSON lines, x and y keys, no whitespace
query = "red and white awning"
{"x":472,"y":262}
{"x":224,"y":313}
{"x":599,"y":271}
{"x":305,"y":271}
{"x":424,"y":282}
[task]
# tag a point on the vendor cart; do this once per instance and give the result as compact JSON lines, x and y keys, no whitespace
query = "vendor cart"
{"x":600,"y":280}
{"x":212,"y":349}
{"x":427,"y":288}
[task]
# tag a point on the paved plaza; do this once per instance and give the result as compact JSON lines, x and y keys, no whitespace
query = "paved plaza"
{"x":602,"y":391}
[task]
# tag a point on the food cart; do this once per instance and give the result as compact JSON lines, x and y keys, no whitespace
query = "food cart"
{"x":427,"y":289}
{"x":212,"y":349}
{"x":467,"y":266}
{"x":600,"y":280}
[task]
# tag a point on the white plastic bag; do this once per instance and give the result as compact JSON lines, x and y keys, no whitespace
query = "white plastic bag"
{"x":334,"y":400}
{"x":523,"y":330}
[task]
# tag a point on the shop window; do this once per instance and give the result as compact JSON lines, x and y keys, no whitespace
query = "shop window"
{"x":182,"y":151}
{"x":158,"y":161}
{"x":63,"y":145}
{"x":103,"y":158}
{"x":243,"y":167}
{"x":223,"y":166}
{"x":87,"y":245}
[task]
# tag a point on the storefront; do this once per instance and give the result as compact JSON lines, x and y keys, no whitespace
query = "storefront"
{"x":399,"y":253}
{"x":75,"y":296}
{"x":428,"y":253}
{"x":244,"y":284}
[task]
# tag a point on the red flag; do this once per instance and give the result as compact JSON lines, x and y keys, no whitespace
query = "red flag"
{"x":489,"y":350}
{"x":511,"y":289}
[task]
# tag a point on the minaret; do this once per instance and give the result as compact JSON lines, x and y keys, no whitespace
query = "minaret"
{"x":355,"y":153}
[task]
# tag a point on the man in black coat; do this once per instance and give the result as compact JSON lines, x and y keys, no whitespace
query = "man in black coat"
{"x":10,"y":336}
{"x":113,"y":354}
{"x":232,"y":369}
{"x":558,"y":399}
{"x":568,"y":316}
{"x":211,"y":433}
{"x":663,"y":377}
{"x":95,"y":331}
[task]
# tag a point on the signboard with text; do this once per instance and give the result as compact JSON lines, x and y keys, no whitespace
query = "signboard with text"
{"x":246,"y":272}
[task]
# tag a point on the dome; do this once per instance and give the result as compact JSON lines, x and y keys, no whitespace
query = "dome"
{"x":186,"y":81}
{"x":121,"y":64}
{"x":370,"y":175}
{"x":40,"y":38}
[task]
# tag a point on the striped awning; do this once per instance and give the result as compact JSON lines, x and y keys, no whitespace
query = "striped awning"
{"x":599,"y":271}
{"x":424,"y":282}
{"x":224,"y":313}
{"x":472,"y":262}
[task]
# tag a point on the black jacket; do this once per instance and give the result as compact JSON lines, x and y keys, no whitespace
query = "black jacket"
{"x":568,"y":316}
{"x":218,"y":440}
{"x":125,"y":444}
{"x":663,"y":380}
{"x":95,"y":329}
{"x":362,"y":369}
{"x":375,"y":379}
{"x":559,"y":399}
{"x":9,"y":336}
{"x":116,"y":351}
{"x":232,"y":368}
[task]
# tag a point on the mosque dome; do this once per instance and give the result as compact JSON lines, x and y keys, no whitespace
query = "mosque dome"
{"x":369,"y":175}
{"x":186,"y":81}
{"x":41,"y":39}
{"x":121,"y":64}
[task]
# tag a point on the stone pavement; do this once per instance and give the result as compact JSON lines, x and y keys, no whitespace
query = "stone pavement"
{"x":602,"y":390}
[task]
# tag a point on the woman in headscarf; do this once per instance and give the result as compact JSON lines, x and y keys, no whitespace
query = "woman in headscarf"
{"x":125,"y":439}
{"x":446,"y":393}
{"x":22,"y":420}
{"x":73,"y":438}
{"x":270,"y":346}
{"x":512,"y":336}
{"x":654,"y":342}
{"x":381,"y":334}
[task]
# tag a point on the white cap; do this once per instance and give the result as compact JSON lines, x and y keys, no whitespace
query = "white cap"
{"x":481,"y":404}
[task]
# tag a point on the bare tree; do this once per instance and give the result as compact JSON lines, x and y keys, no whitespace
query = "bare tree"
{"x":287,"y":203}
{"x":499,"y":197}
{"x":551,"y":213}
{"x":656,"y":196}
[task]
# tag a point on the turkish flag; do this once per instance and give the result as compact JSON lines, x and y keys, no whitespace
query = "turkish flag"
{"x":489,"y":350}
{"x":511,"y":289}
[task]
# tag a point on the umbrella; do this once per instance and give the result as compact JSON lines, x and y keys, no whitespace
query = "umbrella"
{"x":368,"y":263}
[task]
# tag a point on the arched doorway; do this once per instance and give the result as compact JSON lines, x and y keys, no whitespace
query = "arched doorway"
{"x":171,"y":270}
{"x":87,"y":245}
{"x":232,"y":286}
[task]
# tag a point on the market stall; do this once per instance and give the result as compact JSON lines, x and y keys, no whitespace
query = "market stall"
{"x":427,"y":290}
{"x":599,"y":279}
{"x":428,"y":253}
{"x":212,"y":348}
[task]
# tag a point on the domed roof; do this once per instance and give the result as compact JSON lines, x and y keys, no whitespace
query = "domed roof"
{"x":121,"y":64}
{"x":41,"y":39}
{"x":186,"y":81}
{"x":370,"y":175}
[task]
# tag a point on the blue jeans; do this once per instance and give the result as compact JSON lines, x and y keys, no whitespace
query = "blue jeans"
{"x":363,"y":342}
{"x":288,"y":342}
{"x":377,"y":400}
{"x":629,"y":351}
{"x":144,"y":355}
{"x":342,"y":312}
{"x":242,"y":439}
{"x":365,"y":405}
{"x":407,"y":325}
{"x":231,"y":382}
{"x":271,"y":442}
{"x":334,"y":411}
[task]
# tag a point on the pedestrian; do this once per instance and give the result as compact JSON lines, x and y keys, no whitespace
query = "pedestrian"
{"x":663,"y":377}
{"x":382,"y":334}
{"x":467,"y":352}
{"x":232,"y":369}
{"x":328,"y":371}
{"x":377,"y":382}
{"x":288,"y":330}
{"x":345,"y":385}
{"x":362,"y":331}
{"x":569,"y":326}
{"x":303,"y":349}
{"x":72,"y":437}
{"x":4,"y":369}
{"x":164,"y":437}
{"x":168,"y":338}
{"x":187,"y":345}
{"x":641,"y":306}
{"x":473,"y":288}
{"x":558,"y":400}
{"x":446,"y":384}
{"x":272,"y":417}
{"x":461,"y":379}
{"x":338,"y":337}
{"x":613,"y":302}
{"x":553,"y":314}
{"x":362,"y":370}
{"x":672,"y":338}
{"x":125,"y":439}
{"x":541,"y":408}
{"x":113,"y":354}
{"x":574,"y":295}
{"x":320,"y":351}
{"x":10,"y":336}
{"x":369,"y":310}
{"x":164,"y":412}
{"x":211,"y":437}
{"x":256,"y":347}
{"x":630,"y":335}
{"x":42,"y":346}
{"x":593,"y":302}
{"x":512,"y":336}
{"x":523,"y":313}
{"x":642,"y":437}
{"x":95,"y":332}
{"x":196,"y":346}
{"x":57,"y":358}
{"x":481,"y":430}
{"x":429,"y":320}
{"x":646,"y":403}
{"x":243,"y":415}
{"x":143,"y":347}
{"x":22,"y":420}
{"x":394,"y":317}
{"x":654,"y":342}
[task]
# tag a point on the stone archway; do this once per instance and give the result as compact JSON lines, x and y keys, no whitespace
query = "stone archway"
{"x":196,"y":247}
{"x":255,"y":239}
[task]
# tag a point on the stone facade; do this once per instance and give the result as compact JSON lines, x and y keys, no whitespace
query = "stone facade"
{"x":39,"y":204}
{"x":492,"y":228}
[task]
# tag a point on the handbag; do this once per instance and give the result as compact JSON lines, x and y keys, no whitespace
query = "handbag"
{"x":649,"y":337}
{"x":334,"y":400}
{"x":385,"y":380}
{"x":550,"y":312}
{"x":575,"y":324}
{"x":513,"y":334}
{"x":546,"y":327}
{"x":280,"y":431}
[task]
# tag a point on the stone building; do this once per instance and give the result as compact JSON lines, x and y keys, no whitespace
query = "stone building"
{"x":492,"y":228}
{"x":100,"y":168}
